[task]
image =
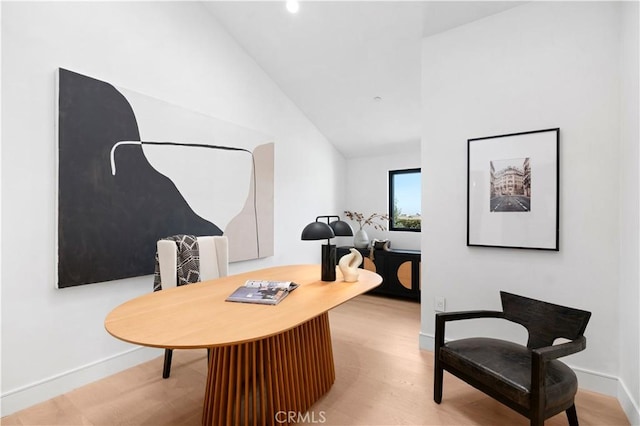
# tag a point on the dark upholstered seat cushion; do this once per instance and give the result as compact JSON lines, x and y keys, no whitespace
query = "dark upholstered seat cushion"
{"x":506,"y":367}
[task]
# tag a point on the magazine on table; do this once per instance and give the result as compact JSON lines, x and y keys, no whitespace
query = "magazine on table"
{"x":262,"y":292}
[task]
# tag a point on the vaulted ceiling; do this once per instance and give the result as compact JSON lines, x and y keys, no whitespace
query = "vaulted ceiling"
{"x":352,"y":67}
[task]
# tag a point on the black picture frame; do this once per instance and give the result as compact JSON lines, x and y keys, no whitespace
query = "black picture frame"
{"x":513,"y":190}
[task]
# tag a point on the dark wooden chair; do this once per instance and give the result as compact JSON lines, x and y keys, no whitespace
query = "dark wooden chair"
{"x":530,"y":379}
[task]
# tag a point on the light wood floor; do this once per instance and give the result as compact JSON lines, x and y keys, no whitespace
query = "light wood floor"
{"x":382,"y":378}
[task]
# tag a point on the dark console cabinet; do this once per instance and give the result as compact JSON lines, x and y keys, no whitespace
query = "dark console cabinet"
{"x":400,"y":271}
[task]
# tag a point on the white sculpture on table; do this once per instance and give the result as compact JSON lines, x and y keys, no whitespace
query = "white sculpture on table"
{"x":349,"y":264}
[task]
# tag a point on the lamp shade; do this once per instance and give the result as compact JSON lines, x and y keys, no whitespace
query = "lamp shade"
{"x":341,"y":228}
{"x":317,"y":231}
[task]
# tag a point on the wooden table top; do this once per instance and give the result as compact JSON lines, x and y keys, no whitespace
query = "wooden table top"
{"x":197,"y":316}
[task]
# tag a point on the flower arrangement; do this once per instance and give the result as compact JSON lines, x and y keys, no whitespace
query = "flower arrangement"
{"x":359,"y":217}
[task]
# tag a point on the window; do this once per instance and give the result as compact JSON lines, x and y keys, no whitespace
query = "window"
{"x":405,"y":200}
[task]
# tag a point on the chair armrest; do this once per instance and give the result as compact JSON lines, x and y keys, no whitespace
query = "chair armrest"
{"x":557,"y":351}
{"x":443,"y":317}
{"x":462,"y":315}
{"x":539,"y":358}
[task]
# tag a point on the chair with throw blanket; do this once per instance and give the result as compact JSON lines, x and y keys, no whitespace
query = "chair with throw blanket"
{"x":186,"y":259}
{"x":529,"y":379}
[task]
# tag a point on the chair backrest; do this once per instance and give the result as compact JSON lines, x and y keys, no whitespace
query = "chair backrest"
{"x":544,"y":321}
{"x":214,"y":259}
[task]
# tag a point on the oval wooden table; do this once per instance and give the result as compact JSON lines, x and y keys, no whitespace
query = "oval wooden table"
{"x":266,"y":361}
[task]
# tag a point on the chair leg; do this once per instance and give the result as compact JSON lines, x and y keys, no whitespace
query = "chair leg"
{"x":437,"y":382}
{"x":208,"y":355}
{"x":437,"y":366}
{"x":572,"y":416}
{"x":167,"y":363}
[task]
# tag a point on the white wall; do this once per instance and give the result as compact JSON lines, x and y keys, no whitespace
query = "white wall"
{"x":54,"y":340}
{"x":629,"y":294}
{"x":536,"y":66}
{"x":368,"y":188}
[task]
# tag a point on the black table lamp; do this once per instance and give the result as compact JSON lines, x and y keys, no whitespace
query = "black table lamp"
{"x":320,"y":231}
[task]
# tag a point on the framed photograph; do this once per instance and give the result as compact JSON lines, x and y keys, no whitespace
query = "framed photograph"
{"x":513,"y":190}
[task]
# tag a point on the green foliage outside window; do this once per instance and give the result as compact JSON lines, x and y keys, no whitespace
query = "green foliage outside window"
{"x":404,"y":194}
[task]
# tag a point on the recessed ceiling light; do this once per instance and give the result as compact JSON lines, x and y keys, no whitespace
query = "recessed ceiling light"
{"x":293,"y":6}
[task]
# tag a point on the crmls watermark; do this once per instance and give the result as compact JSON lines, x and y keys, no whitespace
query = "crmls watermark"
{"x":298,"y":417}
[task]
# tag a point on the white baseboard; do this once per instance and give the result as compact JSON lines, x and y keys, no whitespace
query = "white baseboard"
{"x":629,"y":406}
{"x":426,"y":341}
{"x":33,"y":393}
{"x":596,"y":382}
{"x":590,"y":380}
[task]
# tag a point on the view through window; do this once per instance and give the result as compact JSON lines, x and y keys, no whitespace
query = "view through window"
{"x":405,"y":200}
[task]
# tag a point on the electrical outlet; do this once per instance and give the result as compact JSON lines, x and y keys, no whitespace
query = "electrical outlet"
{"x":440,"y":304}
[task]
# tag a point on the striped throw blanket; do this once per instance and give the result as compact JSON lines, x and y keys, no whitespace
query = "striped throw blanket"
{"x":188,"y":261}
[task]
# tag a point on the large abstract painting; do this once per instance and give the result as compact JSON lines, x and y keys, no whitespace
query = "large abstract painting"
{"x":133,"y":169}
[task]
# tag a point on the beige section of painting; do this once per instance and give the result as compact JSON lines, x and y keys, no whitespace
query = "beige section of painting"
{"x":250,"y":233}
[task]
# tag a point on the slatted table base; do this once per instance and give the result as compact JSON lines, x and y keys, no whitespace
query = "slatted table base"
{"x":261,"y":382}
